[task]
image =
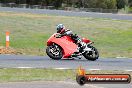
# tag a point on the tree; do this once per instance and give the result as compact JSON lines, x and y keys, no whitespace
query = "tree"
{"x":90,"y":3}
{"x":111,"y":4}
{"x":105,"y":4}
{"x":130,"y":3}
{"x":57,"y":3}
{"x":122,"y":3}
{"x":79,"y":3}
{"x":7,"y":1}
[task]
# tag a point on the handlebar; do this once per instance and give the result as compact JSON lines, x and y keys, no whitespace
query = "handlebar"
{"x":57,"y":36}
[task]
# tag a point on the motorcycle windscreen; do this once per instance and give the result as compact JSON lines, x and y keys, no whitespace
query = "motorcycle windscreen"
{"x":67,"y":45}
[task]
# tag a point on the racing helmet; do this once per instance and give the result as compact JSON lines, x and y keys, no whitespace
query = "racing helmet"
{"x":60,"y":27}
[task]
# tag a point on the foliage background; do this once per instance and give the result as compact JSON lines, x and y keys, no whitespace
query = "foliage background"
{"x":106,"y":4}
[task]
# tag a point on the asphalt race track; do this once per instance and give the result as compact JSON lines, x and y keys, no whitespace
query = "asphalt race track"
{"x":20,"y":61}
{"x":45,"y":84}
{"x":60,"y":84}
{"x":68,"y":13}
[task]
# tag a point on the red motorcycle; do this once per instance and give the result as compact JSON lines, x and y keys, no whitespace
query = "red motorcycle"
{"x":65,"y":47}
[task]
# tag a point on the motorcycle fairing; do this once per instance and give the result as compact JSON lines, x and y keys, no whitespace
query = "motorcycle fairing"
{"x":66,"y":44}
{"x":86,"y":40}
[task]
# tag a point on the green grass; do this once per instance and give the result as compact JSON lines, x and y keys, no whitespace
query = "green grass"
{"x":20,"y":75}
{"x":14,"y":75}
{"x":29,"y":32}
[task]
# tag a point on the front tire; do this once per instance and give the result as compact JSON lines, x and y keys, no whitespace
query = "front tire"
{"x":54,"y":51}
{"x":91,"y":55}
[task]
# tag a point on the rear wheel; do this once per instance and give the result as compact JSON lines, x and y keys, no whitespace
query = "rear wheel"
{"x":54,"y":51}
{"x":91,"y":55}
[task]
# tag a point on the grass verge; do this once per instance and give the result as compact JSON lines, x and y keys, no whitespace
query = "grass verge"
{"x":29,"y":32}
{"x":18,"y":75}
{"x":15,"y":75}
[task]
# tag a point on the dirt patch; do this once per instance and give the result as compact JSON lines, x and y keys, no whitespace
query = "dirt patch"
{"x":4,"y":50}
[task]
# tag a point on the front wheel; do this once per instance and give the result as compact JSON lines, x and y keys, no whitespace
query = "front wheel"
{"x":54,"y":51}
{"x":91,"y":55}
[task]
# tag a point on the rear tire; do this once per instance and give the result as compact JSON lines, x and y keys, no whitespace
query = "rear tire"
{"x":92,"y":55}
{"x":54,"y":51}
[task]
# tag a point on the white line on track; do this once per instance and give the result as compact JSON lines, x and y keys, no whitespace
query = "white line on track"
{"x":121,"y":57}
{"x":94,"y":69}
{"x":129,"y":70}
{"x":61,"y":68}
{"x":24,"y":67}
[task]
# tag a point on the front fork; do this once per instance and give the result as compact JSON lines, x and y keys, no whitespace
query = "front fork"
{"x":85,"y":47}
{"x":82,"y":48}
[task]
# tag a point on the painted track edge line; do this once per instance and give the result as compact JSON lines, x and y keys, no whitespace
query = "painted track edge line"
{"x":127,"y":70}
{"x":24,"y":67}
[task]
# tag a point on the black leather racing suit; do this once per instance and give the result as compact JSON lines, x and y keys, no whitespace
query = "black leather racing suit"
{"x":67,"y":32}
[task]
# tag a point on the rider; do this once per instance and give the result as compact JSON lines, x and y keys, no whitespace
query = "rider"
{"x":63,"y":32}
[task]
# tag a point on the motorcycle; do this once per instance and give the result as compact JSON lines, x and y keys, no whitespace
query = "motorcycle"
{"x":65,"y":47}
